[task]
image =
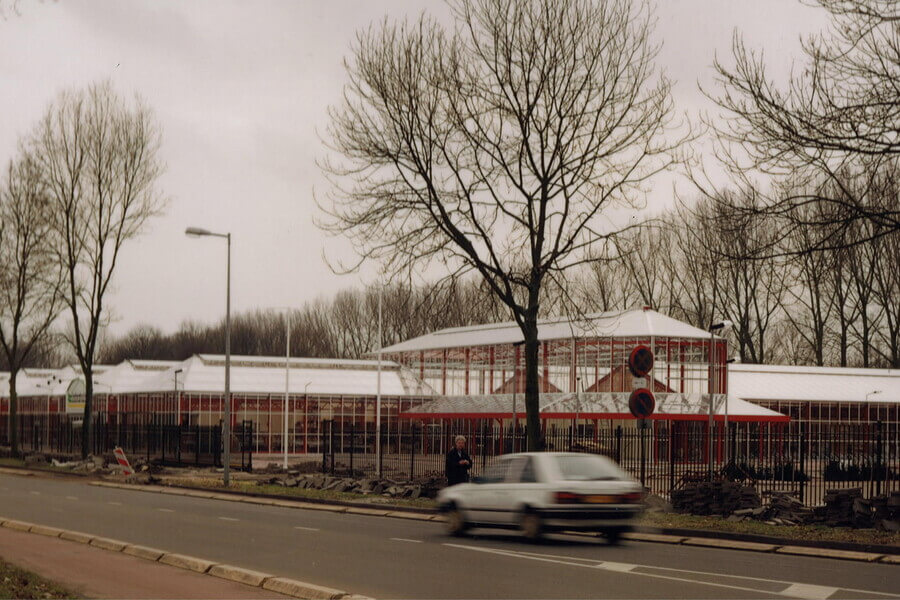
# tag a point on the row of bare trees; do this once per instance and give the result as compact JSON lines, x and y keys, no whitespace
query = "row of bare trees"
{"x":83,"y":183}
{"x":793,"y":303}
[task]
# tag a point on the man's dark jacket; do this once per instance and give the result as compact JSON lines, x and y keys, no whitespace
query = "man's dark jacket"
{"x":457,"y":473}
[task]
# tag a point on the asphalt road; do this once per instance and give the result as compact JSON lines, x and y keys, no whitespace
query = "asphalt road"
{"x":394,"y":558}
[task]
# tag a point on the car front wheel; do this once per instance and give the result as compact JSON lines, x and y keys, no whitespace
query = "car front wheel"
{"x":531,"y":526}
{"x":456,"y":523}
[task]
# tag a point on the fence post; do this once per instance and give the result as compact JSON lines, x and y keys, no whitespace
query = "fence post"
{"x":880,"y":471}
{"x":381,"y":433}
{"x":671,"y":445}
{"x":147,"y":442}
{"x":642,"y":425}
{"x":322,"y":437}
{"x":412,"y":450}
{"x":619,"y":444}
{"x":352,"y":428}
{"x":483,"y":447}
{"x":331,"y":443}
{"x":178,"y":445}
{"x":802,"y":474}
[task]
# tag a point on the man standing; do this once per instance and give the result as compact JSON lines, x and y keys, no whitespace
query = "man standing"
{"x":458,"y":463}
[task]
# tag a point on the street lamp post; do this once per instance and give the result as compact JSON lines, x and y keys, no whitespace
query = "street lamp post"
{"x":287,"y":382}
{"x":177,"y":395}
{"x":713,"y":384}
{"x":226,"y":428}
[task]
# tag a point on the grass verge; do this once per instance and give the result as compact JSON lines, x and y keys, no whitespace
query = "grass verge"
{"x":300,"y":493}
{"x":817,"y":533}
{"x":18,"y":583}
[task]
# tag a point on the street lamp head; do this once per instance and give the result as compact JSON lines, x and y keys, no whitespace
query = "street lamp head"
{"x":197,"y":231}
{"x":721,"y":325}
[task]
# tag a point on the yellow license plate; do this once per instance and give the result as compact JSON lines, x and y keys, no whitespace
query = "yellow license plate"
{"x":601,"y":499}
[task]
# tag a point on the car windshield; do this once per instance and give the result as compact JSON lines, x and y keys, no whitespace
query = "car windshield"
{"x":587,"y":467}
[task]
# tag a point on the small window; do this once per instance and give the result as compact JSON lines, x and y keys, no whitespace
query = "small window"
{"x":521,"y":470}
{"x":495,"y":473}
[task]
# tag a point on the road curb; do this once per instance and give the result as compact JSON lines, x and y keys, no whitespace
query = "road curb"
{"x":714,"y":539}
{"x":281,"y":585}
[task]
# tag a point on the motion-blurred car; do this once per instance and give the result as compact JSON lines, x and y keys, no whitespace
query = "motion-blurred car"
{"x":539,"y":492}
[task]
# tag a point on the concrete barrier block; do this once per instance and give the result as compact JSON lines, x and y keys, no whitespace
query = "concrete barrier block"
{"x":143,"y":552}
{"x":411,"y":516}
{"x":829,"y":553}
{"x":17,"y":525}
{"x":108,"y":544}
{"x":187,"y":562}
{"x":75,"y":536}
{"x":732,"y":544}
{"x":653,"y":537}
{"x":300,"y":589}
{"x":377,"y":512}
{"x":245,"y":576}
{"x":48,"y":531}
{"x":891,"y":559}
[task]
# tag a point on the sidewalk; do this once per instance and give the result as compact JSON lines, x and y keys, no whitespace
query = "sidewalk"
{"x":95,"y":573}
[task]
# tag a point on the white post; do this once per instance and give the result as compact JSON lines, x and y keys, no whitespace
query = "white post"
{"x":287,"y":381}
{"x":378,"y":394}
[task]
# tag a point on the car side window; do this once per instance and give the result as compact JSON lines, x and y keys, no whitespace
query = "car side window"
{"x":521,"y":470}
{"x":495,"y":473}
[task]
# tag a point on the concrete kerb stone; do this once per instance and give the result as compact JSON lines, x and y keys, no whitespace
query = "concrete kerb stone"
{"x":245,"y":576}
{"x":48,"y":531}
{"x":891,"y":559}
{"x":653,"y":537}
{"x":729,"y":544}
{"x":299,"y":589}
{"x":411,"y":516}
{"x":76,"y":536}
{"x":190,"y":563}
{"x":367,"y":511}
{"x":829,"y":553}
{"x":17,"y":525}
{"x":108,"y":544}
{"x":143,"y":552}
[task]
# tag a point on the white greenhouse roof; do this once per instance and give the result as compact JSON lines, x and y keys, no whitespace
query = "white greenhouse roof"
{"x":205,"y":373}
{"x":825,"y":384}
{"x":620,"y":324}
{"x":591,"y":405}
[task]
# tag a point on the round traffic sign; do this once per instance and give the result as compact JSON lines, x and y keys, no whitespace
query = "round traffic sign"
{"x":640,"y":361}
{"x":641,"y":403}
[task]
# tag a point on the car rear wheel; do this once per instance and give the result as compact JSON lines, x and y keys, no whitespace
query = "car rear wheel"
{"x":614,"y":537}
{"x":456,"y":523}
{"x":531,"y":526}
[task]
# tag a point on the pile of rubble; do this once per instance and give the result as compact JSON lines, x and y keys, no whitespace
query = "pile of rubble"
{"x":847,"y":508}
{"x":714,"y":498}
{"x":423,"y":487}
{"x":784,"y":508}
{"x":98,"y":465}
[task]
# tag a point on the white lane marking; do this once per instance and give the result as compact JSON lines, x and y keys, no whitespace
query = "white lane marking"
{"x":228,"y":519}
{"x":623,"y":567}
{"x":809,"y":592}
{"x":615,"y":566}
{"x":71,"y":498}
{"x":406,"y":540}
{"x":306,"y":528}
{"x":165,"y":510}
{"x":115,"y":503}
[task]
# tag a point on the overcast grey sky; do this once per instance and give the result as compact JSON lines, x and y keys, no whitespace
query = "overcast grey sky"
{"x":241,"y":90}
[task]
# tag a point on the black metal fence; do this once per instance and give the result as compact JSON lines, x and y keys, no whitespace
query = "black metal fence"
{"x":663,"y":458}
{"x":160,"y":442}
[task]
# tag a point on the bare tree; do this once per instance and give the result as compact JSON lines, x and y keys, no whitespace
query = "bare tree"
{"x":98,"y":156}
{"x":841,"y":108}
{"x":30,"y":277}
{"x":500,"y":146}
